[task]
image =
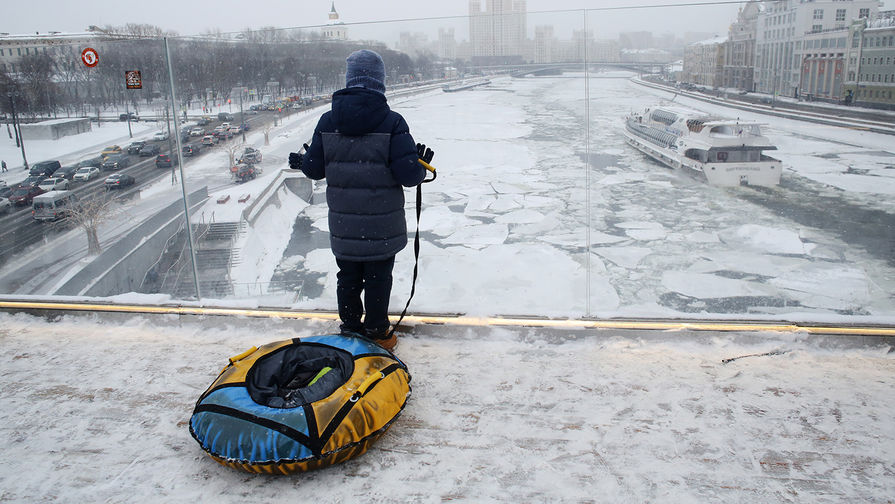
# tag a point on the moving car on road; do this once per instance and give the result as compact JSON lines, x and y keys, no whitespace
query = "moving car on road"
{"x":164,"y":161}
{"x":86,"y":173}
{"x":197,"y":131}
{"x":66,"y":172}
{"x":192,"y":149}
{"x":24,"y":195}
{"x":116,"y":161}
{"x":118,"y":181}
{"x":250,"y":155}
{"x":161,"y":135}
{"x":150,"y":150}
{"x":112,"y":149}
{"x":94,"y":161}
{"x":5,"y":205}
{"x":54,"y":184}
{"x":53,"y":205}
{"x":32,"y":181}
{"x":209,"y":140}
{"x":44,"y":168}
{"x":135,"y":147}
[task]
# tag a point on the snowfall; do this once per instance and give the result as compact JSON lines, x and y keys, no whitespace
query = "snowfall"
{"x":95,"y":407}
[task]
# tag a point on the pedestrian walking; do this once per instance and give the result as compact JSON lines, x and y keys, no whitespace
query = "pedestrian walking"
{"x":3,"y":166}
{"x":366,"y":154}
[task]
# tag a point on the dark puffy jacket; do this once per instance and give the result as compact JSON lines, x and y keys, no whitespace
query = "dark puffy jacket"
{"x":366,"y":153}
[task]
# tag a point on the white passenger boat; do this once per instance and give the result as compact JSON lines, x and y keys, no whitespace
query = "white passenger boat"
{"x":726,"y":152}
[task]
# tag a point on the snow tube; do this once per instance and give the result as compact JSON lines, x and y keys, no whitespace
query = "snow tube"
{"x":300,"y":404}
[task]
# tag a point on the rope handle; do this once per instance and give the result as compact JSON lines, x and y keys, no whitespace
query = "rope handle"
{"x":373,"y":378}
{"x":237,"y":358}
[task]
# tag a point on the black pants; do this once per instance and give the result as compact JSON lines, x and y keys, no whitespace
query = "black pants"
{"x":374,"y":278}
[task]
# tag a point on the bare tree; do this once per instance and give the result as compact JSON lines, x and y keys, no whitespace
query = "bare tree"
{"x":232,"y":149}
{"x":89,"y":214}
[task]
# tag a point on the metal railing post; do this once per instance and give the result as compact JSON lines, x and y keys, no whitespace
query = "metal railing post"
{"x":186,"y":204}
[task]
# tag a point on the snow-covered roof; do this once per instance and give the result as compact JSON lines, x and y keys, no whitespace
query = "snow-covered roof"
{"x":711,"y":41}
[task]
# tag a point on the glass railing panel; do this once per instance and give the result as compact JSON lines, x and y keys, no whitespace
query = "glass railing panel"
{"x":505,"y":217}
{"x":87,"y":118}
{"x":762,"y":206}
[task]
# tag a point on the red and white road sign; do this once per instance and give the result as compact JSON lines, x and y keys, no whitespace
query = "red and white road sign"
{"x":90,"y":57}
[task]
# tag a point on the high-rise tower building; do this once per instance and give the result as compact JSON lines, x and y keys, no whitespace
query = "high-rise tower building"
{"x":498,"y":32}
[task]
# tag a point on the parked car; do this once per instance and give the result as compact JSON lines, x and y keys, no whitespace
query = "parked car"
{"x":54,"y":184}
{"x":112,"y":149}
{"x":66,"y":172}
{"x":44,"y":168}
{"x":164,"y":161}
{"x":250,"y":155}
{"x":5,"y":205}
{"x":24,"y":195}
{"x":197,"y":131}
{"x":244,"y":173}
{"x":118,"y":181}
{"x":32,"y":180}
{"x":94,"y":161}
{"x":53,"y":205}
{"x":209,"y":140}
{"x":116,"y":162}
{"x":161,"y":135}
{"x":192,"y":149}
{"x":149,"y":150}
{"x":135,"y":147}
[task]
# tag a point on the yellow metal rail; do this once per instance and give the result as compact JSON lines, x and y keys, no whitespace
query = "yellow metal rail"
{"x":633,"y":324}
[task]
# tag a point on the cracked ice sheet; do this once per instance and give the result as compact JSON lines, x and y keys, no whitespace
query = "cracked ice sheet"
{"x":707,"y":286}
{"x":504,"y":286}
{"x":768,"y":239}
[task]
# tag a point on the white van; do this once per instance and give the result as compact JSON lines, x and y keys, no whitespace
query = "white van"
{"x":53,"y":205}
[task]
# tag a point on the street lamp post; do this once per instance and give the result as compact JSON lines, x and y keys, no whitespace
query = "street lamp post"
{"x":15,"y":124}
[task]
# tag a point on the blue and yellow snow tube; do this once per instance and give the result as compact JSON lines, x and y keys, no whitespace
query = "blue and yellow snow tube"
{"x":300,"y":404}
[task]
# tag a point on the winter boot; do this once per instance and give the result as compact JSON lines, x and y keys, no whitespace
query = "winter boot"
{"x":386,"y":341}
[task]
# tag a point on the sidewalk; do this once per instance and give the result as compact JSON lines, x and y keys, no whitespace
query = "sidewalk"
{"x":96,"y":408}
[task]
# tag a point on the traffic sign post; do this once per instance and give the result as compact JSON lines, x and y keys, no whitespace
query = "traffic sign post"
{"x":89,"y":57}
{"x":132,"y":80}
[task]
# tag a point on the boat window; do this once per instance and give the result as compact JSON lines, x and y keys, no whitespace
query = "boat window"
{"x":724,"y":129}
{"x":722,"y":156}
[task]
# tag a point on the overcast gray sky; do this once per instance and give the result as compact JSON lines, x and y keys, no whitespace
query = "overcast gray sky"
{"x":194,"y":17}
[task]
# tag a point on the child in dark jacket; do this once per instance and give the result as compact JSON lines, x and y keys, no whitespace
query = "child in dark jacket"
{"x":366,"y":153}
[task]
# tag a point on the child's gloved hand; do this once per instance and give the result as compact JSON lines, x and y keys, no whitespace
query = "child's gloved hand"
{"x":295,"y":160}
{"x":424,"y":153}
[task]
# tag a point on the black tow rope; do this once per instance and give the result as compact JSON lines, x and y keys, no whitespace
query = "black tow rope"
{"x":416,"y":243}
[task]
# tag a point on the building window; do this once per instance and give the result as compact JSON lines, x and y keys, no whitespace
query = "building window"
{"x":864,"y":13}
{"x":840,"y":14}
{"x":818,"y":13}
{"x":817,"y":28}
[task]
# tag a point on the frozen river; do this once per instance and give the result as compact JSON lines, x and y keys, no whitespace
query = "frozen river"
{"x":517,"y":225}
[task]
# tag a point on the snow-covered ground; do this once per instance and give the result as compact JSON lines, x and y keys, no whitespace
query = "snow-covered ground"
{"x":95,"y":408}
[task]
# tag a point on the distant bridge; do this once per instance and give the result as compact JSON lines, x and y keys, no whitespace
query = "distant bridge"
{"x":558,"y":68}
